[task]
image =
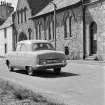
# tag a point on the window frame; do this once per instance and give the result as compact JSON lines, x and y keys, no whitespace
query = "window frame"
{"x":66,"y":28}
{"x":5,"y":33}
{"x":21,"y":16}
{"x":5,"y":48}
{"x":52,"y":30}
{"x":49,"y":32}
{"x":29,"y":32}
{"x":18,"y":17}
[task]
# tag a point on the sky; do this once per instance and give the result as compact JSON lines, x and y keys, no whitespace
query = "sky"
{"x":14,"y":2}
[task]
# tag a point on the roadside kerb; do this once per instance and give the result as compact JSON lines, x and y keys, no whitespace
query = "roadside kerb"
{"x":59,"y":99}
{"x":89,"y":62}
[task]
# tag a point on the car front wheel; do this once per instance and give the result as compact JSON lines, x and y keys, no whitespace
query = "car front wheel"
{"x":57,"y":70}
{"x":30,"y":71}
{"x":9,"y":67}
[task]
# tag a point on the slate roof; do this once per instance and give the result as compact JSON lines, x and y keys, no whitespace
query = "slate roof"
{"x":7,"y":23}
{"x":59,"y":3}
{"x":37,"y":5}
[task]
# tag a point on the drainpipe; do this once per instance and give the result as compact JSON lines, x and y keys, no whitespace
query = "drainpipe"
{"x":55,"y":24}
{"x":54,"y":21}
{"x":84,"y":32}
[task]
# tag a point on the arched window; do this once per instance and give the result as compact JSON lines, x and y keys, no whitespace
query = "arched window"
{"x":22,"y":36}
{"x":5,"y":48}
{"x":52,"y":29}
{"x":25,"y":14}
{"x":18,"y":16}
{"x":67,"y":27}
{"x":93,"y":38}
{"x":39,"y":31}
{"x":36,"y":32}
{"x":21,"y":13}
{"x":49,"y":32}
{"x":29,"y":31}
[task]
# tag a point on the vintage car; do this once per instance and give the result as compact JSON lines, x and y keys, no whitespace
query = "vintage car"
{"x":33,"y":55}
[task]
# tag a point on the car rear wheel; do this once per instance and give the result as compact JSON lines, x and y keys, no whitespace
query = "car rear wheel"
{"x":30,"y":71}
{"x":57,"y":70}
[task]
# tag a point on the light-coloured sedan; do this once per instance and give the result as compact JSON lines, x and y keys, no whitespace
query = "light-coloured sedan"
{"x":33,"y":55}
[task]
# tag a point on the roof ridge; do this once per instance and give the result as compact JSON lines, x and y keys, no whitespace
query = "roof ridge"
{"x":63,"y":4}
{"x":37,"y":5}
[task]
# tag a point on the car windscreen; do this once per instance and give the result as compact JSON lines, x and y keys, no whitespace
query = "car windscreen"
{"x":42,"y":46}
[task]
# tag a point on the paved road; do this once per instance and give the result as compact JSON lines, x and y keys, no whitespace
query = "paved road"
{"x":80,"y":82}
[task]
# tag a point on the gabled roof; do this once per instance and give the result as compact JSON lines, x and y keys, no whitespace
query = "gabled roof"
{"x":7,"y":23}
{"x":59,"y":4}
{"x":37,"y":5}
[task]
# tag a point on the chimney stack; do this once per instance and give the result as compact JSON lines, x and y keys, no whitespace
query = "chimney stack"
{"x":4,"y":3}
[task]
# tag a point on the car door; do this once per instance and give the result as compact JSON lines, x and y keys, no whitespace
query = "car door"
{"x":15,"y":56}
{"x":23,"y":55}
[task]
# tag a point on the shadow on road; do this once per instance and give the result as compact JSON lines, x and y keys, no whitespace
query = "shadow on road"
{"x":48,"y":74}
{"x":51,"y":74}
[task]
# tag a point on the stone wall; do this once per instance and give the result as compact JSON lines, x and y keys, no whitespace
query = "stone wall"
{"x":75,"y":42}
{"x":96,"y":13}
{"x":25,"y":25}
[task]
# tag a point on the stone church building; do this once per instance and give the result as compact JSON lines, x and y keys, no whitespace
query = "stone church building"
{"x":80,"y":25}
{"x":23,"y":26}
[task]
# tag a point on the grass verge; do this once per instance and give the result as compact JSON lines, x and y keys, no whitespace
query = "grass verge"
{"x":14,"y":94}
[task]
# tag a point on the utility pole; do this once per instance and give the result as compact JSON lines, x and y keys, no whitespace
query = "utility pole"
{"x":54,"y":22}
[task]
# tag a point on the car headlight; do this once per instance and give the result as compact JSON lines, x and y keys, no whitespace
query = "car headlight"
{"x":64,"y":61}
{"x":44,"y":62}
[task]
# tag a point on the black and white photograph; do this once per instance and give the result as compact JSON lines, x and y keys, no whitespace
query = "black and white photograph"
{"x":52,"y":52}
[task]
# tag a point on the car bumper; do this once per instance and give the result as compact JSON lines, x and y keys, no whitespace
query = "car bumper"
{"x":49,"y":66}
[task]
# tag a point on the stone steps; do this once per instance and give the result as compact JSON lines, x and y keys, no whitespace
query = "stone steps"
{"x":92,"y":57}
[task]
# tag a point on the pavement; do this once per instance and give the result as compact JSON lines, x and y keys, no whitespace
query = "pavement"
{"x":91,"y":62}
{"x":81,"y":61}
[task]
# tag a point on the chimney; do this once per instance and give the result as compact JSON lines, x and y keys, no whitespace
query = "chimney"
{"x":1,"y":2}
{"x":9,"y":4}
{"x":4,"y":3}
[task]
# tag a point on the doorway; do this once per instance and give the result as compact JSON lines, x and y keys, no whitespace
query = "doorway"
{"x":93,"y":38}
{"x":22,"y":36}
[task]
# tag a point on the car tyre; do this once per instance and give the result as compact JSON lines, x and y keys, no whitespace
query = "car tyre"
{"x":30,"y":71}
{"x":11,"y":69}
{"x":57,"y":70}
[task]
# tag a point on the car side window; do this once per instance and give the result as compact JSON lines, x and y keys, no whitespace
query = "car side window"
{"x":18,"y":47}
{"x":24,"y":47}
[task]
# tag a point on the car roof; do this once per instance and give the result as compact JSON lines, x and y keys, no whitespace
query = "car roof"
{"x":33,"y":41}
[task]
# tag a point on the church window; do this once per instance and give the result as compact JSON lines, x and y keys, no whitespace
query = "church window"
{"x":67,"y":27}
